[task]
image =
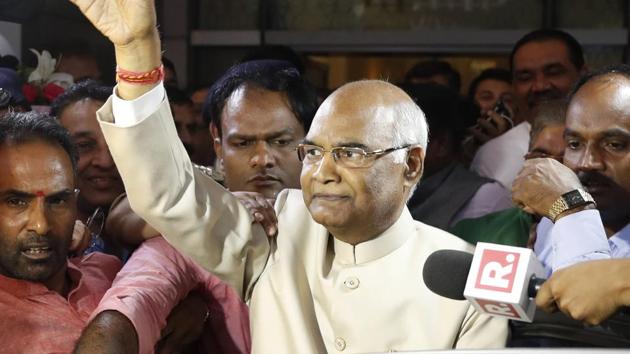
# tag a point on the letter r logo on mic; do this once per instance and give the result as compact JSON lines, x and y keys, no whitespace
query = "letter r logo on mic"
{"x":499,"y":309}
{"x":498,"y":269}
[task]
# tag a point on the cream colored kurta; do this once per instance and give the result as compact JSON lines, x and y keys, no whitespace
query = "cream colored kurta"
{"x":308,"y":292}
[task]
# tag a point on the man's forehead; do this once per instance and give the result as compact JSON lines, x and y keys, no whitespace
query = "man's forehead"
{"x":352,"y":125}
{"x":550,"y":134}
{"x":541,"y":53}
{"x":255,"y":104}
{"x":604,"y":99}
{"x":361,"y":111}
{"x":35,"y":167}
{"x":81,"y":116}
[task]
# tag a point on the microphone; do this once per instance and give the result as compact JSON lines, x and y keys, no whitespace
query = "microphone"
{"x":445,"y":273}
{"x":497,"y":280}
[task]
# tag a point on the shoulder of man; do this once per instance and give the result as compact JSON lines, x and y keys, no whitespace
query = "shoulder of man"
{"x":436,"y":239}
{"x":210,"y":172}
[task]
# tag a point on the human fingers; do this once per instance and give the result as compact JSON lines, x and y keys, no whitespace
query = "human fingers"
{"x":80,"y":238}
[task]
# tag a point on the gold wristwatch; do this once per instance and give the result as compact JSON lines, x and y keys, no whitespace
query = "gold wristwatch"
{"x":570,"y":200}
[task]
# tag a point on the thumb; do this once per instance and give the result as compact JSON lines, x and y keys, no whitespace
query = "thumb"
{"x":78,"y":235}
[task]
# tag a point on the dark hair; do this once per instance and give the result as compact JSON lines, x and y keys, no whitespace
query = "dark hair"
{"x":446,"y":111}
{"x":17,"y":128}
{"x":272,"y":75}
{"x":618,"y":69}
{"x":79,"y":91}
{"x":277,"y":52}
{"x":426,"y":69}
{"x":576,"y":55}
{"x":489,"y":74}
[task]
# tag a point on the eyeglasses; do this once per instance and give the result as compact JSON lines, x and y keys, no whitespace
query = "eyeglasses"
{"x":95,"y":225}
{"x":352,"y":157}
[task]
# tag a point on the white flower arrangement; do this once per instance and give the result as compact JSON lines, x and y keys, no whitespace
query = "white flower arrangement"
{"x":45,"y":73}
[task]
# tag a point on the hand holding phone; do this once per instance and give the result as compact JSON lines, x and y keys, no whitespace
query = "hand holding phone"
{"x":496,"y":122}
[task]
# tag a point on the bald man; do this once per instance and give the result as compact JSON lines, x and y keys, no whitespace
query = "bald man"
{"x":344,"y":273}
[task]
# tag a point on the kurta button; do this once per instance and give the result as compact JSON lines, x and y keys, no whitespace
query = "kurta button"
{"x":340,"y":344}
{"x":351,"y":283}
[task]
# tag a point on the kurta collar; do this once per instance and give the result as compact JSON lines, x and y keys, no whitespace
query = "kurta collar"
{"x":25,"y":288}
{"x":381,"y":246}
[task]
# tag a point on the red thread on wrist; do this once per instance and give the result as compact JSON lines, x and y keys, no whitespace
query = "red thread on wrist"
{"x":145,"y":78}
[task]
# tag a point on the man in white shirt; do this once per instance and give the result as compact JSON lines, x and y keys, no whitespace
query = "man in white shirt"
{"x":343,"y":275}
{"x":545,"y":64}
{"x":597,"y":161}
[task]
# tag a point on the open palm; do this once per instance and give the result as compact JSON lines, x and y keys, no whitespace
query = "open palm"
{"x":121,"y":21}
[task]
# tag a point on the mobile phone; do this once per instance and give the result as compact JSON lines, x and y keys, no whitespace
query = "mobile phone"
{"x":501,"y":108}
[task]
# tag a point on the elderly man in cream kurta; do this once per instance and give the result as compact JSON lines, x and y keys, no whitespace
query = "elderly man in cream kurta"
{"x":344,"y":272}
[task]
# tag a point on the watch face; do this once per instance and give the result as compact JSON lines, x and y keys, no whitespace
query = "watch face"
{"x":573,"y":198}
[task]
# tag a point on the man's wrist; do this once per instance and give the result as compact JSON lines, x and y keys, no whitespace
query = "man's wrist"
{"x":574,"y":199}
{"x":574,"y":210}
{"x":141,"y":55}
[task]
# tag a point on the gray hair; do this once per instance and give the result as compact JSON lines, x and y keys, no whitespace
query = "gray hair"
{"x":409,"y":127}
{"x":547,"y":114}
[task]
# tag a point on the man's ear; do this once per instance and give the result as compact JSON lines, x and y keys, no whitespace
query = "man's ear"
{"x":414,"y":165}
{"x":216,"y":141}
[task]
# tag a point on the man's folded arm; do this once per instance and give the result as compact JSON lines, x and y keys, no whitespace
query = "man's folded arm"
{"x":573,"y":239}
{"x":147,"y":288}
{"x":157,"y":278}
{"x":109,"y":332}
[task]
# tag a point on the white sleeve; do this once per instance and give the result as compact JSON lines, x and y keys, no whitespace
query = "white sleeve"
{"x":573,"y":239}
{"x":129,"y":113}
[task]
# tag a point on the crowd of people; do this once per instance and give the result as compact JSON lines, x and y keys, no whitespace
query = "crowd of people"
{"x":267,"y":217}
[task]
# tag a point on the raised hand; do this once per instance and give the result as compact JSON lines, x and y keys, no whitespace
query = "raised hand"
{"x":490,"y":127}
{"x":122,"y":21}
{"x":131,"y":26}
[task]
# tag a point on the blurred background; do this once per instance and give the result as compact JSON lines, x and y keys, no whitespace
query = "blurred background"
{"x":339,"y":40}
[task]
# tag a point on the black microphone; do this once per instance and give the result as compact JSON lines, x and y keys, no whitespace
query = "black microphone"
{"x":445,"y":273}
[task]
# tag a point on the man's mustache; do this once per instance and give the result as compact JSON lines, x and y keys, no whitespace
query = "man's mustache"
{"x":546,"y":95}
{"x":590,"y":178}
{"x":33,"y":239}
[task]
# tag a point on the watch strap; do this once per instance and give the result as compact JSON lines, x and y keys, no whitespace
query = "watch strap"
{"x":570,"y":200}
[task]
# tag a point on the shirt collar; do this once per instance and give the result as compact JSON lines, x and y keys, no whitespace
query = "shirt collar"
{"x":622,"y":238}
{"x":26,"y":288}
{"x":380,"y":246}
{"x":21,"y":288}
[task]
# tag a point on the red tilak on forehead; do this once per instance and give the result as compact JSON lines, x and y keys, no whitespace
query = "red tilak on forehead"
{"x":40,"y":194}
